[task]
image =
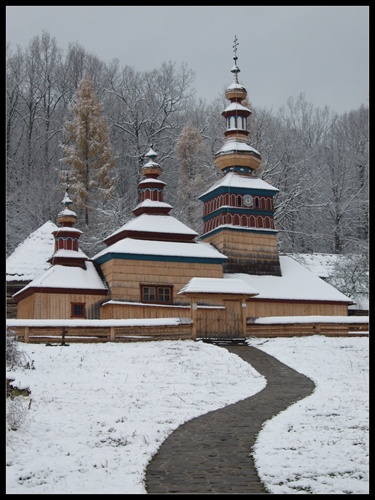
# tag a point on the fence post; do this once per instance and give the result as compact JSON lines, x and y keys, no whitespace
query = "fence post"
{"x":63,"y":333}
{"x":112,"y":336}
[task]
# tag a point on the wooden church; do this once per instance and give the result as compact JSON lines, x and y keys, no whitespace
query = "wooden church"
{"x":154,"y":266}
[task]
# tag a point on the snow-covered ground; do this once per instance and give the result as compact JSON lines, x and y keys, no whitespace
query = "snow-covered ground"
{"x":97,"y":413}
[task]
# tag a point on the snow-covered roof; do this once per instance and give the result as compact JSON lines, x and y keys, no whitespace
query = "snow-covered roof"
{"x":218,"y":285}
{"x":236,"y":106}
{"x":242,"y":228}
{"x":68,"y":277}
{"x":321,"y":264}
{"x":295,"y":283}
{"x":152,"y":164}
{"x":70,"y":254}
{"x":151,"y":153}
{"x":130,"y":246}
{"x":154,"y":181}
{"x":155,"y":224}
{"x":67,"y":229}
{"x":236,"y":180}
{"x":236,"y":86}
{"x":153,"y":204}
{"x":29,"y":259}
{"x":67,"y":211}
{"x":233,"y":145}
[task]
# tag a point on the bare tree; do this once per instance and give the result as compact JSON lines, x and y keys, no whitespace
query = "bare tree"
{"x":147,"y":108}
{"x":292,"y":143}
{"x":345,"y":163}
{"x":192,"y":156}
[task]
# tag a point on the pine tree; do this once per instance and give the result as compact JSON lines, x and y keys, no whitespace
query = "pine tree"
{"x":87,"y":150}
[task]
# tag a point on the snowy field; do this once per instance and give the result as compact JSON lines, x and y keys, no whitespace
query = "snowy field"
{"x":98,"y":413}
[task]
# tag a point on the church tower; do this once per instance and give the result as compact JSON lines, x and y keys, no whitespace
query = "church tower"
{"x":67,"y":251}
{"x":238,"y":212}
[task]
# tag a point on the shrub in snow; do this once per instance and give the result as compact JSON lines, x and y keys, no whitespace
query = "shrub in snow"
{"x":16,"y":407}
{"x":15,"y":357}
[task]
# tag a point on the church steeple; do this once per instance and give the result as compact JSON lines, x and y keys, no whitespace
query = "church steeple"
{"x":151,"y":188}
{"x":238,"y":215}
{"x":237,"y":154}
{"x":66,"y":217}
{"x":67,"y":251}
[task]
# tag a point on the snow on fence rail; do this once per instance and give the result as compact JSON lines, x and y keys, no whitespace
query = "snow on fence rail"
{"x":134,"y":330}
{"x":290,"y":326}
{"x":92,"y":331}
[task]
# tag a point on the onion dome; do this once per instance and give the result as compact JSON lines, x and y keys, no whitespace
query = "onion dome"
{"x":66,"y":217}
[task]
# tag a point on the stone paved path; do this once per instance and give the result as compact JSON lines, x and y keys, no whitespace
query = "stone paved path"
{"x":211,"y":453}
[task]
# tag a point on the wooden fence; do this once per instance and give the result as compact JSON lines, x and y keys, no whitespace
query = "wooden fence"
{"x":96,"y":334}
{"x":332,"y":329}
{"x":64,"y":332}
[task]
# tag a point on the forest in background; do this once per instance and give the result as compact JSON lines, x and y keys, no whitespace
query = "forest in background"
{"x":318,"y":160}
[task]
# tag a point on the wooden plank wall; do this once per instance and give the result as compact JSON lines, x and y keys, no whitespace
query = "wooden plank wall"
{"x":246,"y":249}
{"x":11,"y":304}
{"x":58,"y":306}
{"x":257,"y":308}
{"x":124,"y":277}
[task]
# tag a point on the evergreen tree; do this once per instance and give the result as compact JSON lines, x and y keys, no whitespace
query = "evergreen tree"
{"x":88,"y":151}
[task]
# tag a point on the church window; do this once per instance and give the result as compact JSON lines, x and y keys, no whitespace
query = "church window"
{"x":78,"y":310}
{"x":156,"y":294}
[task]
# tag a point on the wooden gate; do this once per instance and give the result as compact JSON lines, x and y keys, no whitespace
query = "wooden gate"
{"x":220,"y":323}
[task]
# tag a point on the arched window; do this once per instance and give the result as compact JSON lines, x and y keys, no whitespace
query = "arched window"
{"x":239,"y":201}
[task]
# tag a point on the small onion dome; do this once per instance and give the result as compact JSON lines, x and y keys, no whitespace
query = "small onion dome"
{"x":151,"y":168}
{"x":66,"y":217}
{"x":239,"y":154}
{"x":235,"y":92}
{"x":66,"y":200}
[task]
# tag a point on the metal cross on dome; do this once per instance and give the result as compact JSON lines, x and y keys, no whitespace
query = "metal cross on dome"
{"x":235,"y":45}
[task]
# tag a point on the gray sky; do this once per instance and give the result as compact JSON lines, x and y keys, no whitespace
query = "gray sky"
{"x":320,"y":51}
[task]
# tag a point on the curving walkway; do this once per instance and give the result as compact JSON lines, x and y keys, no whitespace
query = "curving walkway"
{"x":211,"y":453}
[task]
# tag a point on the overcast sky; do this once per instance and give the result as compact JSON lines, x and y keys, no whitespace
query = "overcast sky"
{"x":320,"y":51}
